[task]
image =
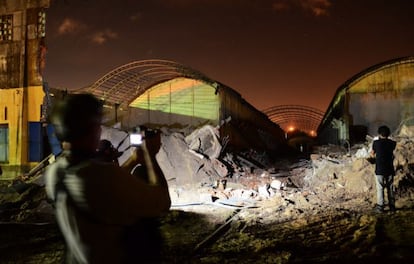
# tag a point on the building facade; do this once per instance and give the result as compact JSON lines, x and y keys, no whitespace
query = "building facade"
{"x":22,"y":51}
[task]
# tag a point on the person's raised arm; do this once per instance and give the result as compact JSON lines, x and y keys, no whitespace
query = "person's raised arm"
{"x":149,"y":148}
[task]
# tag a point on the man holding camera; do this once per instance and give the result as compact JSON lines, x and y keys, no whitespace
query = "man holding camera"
{"x":96,"y":201}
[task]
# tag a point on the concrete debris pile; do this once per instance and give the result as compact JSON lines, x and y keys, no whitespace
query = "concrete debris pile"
{"x":199,"y":169}
{"x":192,"y":159}
{"x":404,"y":164}
{"x":195,"y":163}
{"x":341,"y":175}
{"x":348,"y":173}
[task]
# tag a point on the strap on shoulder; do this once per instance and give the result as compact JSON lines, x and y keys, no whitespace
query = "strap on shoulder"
{"x":60,"y":187}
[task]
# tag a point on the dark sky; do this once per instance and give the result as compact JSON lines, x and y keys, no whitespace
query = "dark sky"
{"x":273,"y":52}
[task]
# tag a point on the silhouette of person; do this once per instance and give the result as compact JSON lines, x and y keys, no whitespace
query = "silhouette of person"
{"x":383,"y":151}
{"x":95,"y":201}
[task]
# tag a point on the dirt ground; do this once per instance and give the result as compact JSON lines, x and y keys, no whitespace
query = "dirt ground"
{"x":317,"y":209}
{"x":295,"y":225}
{"x":340,"y":236}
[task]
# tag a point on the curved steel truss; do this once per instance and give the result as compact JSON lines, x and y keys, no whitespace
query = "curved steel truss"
{"x":295,"y":117}
{"x":125,"y":83}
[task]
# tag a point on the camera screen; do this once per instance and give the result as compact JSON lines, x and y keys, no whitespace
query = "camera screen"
{"x":135,"y":139}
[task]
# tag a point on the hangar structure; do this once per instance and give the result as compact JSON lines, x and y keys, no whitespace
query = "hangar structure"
{"x":161,"y":93}
{"x":296,"y":118}
{"x":380,"y":95}
{"x":137,"y":90}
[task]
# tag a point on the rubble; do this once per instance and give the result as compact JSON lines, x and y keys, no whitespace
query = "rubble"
{"x":199,"y":171}
{"x":353,"y":175}
{"x":207,"y":181}
{"x":205,"y":141}
{"x":332,"y":173}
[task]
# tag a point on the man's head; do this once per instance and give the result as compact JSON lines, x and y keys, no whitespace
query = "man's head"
{"x":77,"y":119}
{"x":384,"y":131}
{"x":105,"y":145}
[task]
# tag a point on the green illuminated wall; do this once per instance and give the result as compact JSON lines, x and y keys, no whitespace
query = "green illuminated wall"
{"x":181,"y":97}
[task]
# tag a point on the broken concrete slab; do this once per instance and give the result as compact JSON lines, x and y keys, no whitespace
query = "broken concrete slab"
{"x":205,"y":140}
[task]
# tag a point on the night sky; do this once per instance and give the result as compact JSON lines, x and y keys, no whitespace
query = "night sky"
{"x":273,"y":52}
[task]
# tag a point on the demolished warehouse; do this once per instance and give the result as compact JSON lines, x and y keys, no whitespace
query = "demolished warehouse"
{"x":381,"y":94}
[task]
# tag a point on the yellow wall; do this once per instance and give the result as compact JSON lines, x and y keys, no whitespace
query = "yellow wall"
{"x":12,"y":99}
{"x":395,"y":78}
{"x":180,"y":101}
{"x":19,"y":112}
{"x":35,"y":98}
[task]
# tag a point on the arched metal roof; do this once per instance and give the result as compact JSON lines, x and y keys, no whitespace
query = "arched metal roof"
{"x":303,"y":118}
{"x":357,"y":77}
{"x":125,"y":83}
{"x":374,"y":69}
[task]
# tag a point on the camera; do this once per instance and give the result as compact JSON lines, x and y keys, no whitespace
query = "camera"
{"x":135,"y":139}
{"x":140,"y":133}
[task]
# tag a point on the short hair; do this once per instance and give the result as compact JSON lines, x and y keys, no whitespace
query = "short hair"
{"x":104,"y":144}
{"x":384,"y":131}
{"x":75,"y":116}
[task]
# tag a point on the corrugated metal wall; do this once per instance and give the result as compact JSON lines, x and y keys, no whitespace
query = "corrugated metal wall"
{"x":384,"y":97}
{"x":178,"y":101}
{"x":249,"y":127}
{"x":381,"y":95}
